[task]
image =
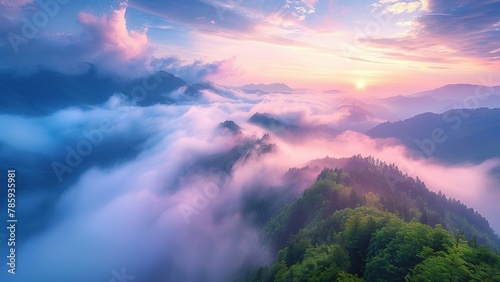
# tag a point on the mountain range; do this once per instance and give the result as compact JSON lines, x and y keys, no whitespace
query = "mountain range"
{"x":454,"y":136}
{"x":439,"y":100}
{"x":42,"y":91}
{"x":459,"y":92}
{"x":267,"y":88}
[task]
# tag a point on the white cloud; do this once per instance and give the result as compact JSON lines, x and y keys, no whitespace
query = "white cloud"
{"x":403,"y":7}
{"x":397,"y":7}
{"x":128,"y":214}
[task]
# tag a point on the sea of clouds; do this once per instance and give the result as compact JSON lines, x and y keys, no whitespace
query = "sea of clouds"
{"x":158,"y":193}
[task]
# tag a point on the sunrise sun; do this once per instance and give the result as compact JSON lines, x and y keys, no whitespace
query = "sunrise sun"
{"x":360,"y":85}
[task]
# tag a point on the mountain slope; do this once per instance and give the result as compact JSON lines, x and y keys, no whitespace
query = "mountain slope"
{"x":336,"y":231}
{"x":367,"y":244}
{"x":397,"y":193}
{"x":454,"y":136}
{"x":405,"y":106}
{"x":458,"y":91}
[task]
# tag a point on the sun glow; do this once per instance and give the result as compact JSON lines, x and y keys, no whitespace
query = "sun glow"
{"x":360,"y":85}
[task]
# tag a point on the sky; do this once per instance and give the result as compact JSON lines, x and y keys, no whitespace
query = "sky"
{"x":165,"y":186}
{"x":392,"y":47}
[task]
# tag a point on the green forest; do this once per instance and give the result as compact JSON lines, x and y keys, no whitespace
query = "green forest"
{"x":398,"y":231}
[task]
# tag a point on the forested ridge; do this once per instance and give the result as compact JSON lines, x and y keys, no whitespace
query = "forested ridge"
{"x":369,"y":222}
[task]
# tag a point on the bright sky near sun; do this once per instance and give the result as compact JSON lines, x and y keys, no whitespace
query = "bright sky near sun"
{"x":385,"y":46}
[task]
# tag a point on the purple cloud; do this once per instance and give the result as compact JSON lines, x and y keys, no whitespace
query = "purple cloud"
{"x":467,"y":29}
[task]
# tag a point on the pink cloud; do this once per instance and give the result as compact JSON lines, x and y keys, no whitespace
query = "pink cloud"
{"x":103,"y":41}
{"x":435,"y":32}
{"x":112,"y":30}
{"x":113,"y":43}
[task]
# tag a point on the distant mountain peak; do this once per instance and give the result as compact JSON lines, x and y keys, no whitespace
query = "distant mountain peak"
{"x":458,"y":91}
{"x":266,"y":120}
{"x":451,"y":85}
{"x":273,"y":87}
{"x":354,"y":113}
{"x":231,"y":126}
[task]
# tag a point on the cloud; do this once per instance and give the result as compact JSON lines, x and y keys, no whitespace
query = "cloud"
{"x":403,"y":7}
{"x":162,"y":211}
{"x":465,"y":30}
{"x":104,"y":41}
{"x":143,"y":209}
{"x":396,"y":7}
{"x":207,"y":16}
{"x":244,"y":20}
{"x":112,"y":40}
{"x":195,"y":71}
{"x":292,"y":13}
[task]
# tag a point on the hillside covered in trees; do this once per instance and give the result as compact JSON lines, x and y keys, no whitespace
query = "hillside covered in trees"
{"x":369,"y":222}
